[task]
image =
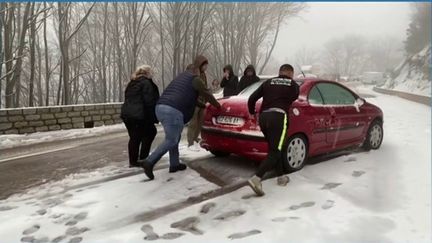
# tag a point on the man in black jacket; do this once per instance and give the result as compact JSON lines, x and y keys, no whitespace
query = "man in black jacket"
{"x":229,"y":82}
{"x":278,"y":94}
{"x":138,"y":113}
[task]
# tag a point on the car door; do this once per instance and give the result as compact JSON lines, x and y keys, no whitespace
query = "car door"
{"x":319,"y":118}
{"x":345,"y":125}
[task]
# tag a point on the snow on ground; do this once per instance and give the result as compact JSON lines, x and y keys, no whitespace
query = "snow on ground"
{"x":376,"y":196}
{"x":65,"y":209}
{"x":13,"y":140}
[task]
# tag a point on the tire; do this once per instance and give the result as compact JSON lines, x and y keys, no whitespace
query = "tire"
{"x":295,"y":153}
{"x":374,"y":136}
{"x":219,"y":153}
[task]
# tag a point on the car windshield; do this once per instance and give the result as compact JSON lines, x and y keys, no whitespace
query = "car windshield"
{"x":250,"y":89}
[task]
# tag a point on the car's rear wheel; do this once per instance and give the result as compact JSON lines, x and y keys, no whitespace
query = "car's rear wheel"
{"x":219,"y":153}
{"x":296,"y":153}
{"x":374,"y":136}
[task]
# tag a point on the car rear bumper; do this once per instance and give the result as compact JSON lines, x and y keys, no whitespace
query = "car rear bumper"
{"x":248,"y":144}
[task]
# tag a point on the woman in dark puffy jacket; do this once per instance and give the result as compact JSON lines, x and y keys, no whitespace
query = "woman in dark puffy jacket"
{"x":249,"y":77}
{"x":138,"y":113}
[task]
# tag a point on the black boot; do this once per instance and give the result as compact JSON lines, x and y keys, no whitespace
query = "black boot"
{"x":136,"y":164}
{"x":148,"y":169}
{"x":179,"y":167}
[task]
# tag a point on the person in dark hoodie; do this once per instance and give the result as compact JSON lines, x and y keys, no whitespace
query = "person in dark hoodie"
{"x":195,"y":125}
{"x":278,"y":94}
{"x":174,"y":109}
{"x":229,"y":82}
{"x":138,"y":113}
{"x":249,"y":77}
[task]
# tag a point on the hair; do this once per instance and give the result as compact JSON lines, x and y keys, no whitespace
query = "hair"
{"x":286,"y":67}
{"x":142,"y":71}
{"x":190,"y":67}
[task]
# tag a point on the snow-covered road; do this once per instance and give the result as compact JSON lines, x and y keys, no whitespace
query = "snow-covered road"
{"x":376,"y":196}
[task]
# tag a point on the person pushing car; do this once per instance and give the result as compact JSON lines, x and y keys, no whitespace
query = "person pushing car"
{"x":278,"y":94}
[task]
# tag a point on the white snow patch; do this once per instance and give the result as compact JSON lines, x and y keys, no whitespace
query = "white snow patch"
{"x":14,"y":140}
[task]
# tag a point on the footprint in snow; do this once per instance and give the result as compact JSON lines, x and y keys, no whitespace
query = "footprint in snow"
{"x":56,"y":216}
{"x":172,"y":236}
{"x":243,"y":234}
{"x":169,"y":179}
{"x":73,"y":231}
{"x":76,"y":240}
{"x":41,"y":212}
{"x":150,"y":234}
{"x":350,"y":159}
{"x":81,"y":216}
{"x":294,"y":218}
{"x":358,"y":173}
{"x":330,"y":186}
{"x":229,"y":215}
{"x":7,"y":208}
{"x":207,"y":207}
{"x":28,"y":239}
{"x":71,"y":223}
{"x":307,"y":204}
{"x":41,"y":240}
{"x":52,"y":202}
{"x":280,"y":219}
{"x":302,"y":205}
{"x":328,"y":204}
{"x":189,"y":225}
{"x":59,"y":239}
{"x":294,"y":207}
{"x":31,"y":230}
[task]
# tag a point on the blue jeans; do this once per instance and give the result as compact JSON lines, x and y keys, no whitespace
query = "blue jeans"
{"x":172,"y":122}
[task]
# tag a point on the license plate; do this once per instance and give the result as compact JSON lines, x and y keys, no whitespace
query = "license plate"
{"x":230,"y":120}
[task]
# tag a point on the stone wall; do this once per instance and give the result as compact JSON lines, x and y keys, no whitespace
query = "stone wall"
{"x":41,"y":119}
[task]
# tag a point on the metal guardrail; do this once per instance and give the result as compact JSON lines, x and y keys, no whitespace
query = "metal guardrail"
{"x":426,"y":100}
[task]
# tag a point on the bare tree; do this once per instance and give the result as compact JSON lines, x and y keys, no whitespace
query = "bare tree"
{"x":98,"y":45}
{"x":65,"y":34}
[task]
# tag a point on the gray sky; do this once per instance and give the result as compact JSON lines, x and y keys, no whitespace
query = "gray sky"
{"x":324,"y":21}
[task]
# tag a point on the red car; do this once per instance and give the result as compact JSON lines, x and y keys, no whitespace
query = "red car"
{"x":326,"y":117}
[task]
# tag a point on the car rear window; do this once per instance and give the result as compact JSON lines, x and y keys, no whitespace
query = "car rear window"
{"x":250,"y":89}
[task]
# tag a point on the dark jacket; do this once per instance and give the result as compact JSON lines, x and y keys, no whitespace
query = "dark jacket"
{"x":141,"y":96}
{"x":182,"y":94}
{"x":230,"y":84}
{"x":279,"y":92}
{"x":246,"y":81}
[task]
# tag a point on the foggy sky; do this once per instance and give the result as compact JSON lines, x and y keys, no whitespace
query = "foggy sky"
{"x":324,"y":21}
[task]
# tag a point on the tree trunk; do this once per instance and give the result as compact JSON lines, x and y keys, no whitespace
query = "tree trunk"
{"x":104,"y":75}
{"x":18,"y":66}
{"x":47,"y":68}
{"x":39,"y":79}
{"x":8,"y":43}
{"x":162,"y":45}
{"x":2,"y":11}
{"x":119,"y":54}
{"x":32,"y":39}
